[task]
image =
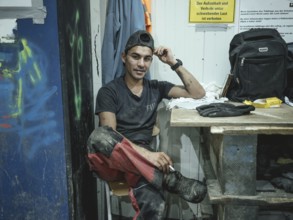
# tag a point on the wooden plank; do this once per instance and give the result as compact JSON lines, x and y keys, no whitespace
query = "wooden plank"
{"x":282,"y":116}
{"x":252,"y":130}
{"x":260,"y":199}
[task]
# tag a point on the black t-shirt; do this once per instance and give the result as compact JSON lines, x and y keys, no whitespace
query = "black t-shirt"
{"x":135,"y":115}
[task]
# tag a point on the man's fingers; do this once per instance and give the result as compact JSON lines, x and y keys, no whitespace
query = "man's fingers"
{"x":162,"y":161}
{"x":165,"y":162}
{"x":167,"y":159}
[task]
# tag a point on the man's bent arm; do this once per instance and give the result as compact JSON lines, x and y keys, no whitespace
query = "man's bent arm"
{"x":192,"y":88}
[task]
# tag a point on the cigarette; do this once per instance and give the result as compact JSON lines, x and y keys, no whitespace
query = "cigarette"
{"x":171,"y":168}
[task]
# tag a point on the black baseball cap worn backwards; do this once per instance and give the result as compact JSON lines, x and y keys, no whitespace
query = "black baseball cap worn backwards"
{"x":140,"y":38}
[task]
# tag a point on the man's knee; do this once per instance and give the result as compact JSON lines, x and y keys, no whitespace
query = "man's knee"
{"x":103,"y":140}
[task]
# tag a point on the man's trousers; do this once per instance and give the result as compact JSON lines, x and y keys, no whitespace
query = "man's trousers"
{"x":112,"y":158}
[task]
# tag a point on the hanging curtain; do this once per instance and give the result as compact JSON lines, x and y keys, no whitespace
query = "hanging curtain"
{"x":123,"y":17}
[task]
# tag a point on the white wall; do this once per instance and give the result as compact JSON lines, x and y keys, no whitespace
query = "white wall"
{"x":96,"y":36}
{"x":98,"y":8}
{"x":204,"y":53}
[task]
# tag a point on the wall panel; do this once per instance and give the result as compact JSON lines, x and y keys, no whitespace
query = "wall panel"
{"x":33,"y":174}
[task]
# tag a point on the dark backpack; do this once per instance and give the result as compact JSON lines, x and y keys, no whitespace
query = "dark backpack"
{"x":258,"y":59}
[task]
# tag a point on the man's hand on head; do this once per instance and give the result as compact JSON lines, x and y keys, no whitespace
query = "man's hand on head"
{"x":165,"y":55}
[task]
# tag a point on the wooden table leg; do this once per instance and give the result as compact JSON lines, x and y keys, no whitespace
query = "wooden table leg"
{"x":236,"y":174}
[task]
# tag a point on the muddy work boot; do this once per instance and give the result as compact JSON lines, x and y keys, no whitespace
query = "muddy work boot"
{"x":188,"y":189}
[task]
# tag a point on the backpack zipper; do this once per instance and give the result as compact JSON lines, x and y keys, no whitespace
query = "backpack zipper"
{"x":241,"y":64}
{"x":242,"y":61}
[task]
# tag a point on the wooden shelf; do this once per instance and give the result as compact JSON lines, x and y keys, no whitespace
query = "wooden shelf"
{"x":279,"y":197}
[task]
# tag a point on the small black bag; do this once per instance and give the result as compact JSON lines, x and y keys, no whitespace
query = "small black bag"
{"x":258,"y":59}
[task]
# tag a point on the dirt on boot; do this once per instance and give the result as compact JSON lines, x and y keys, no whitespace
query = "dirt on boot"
{"x":188,"y":189}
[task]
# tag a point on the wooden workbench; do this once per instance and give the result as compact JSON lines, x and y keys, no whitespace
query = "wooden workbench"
{"x":229,"y":151}
{"x":281,"y":116}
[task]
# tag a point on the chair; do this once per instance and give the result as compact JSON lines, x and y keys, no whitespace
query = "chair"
{"x":106,"y":191}
{"x":118,"y":189}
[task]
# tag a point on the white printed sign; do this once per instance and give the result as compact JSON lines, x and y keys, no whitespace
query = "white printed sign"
{"x":267,"y":14}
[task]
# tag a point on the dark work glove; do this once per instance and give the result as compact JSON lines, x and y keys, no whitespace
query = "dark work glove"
{"x":224,"y":110}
